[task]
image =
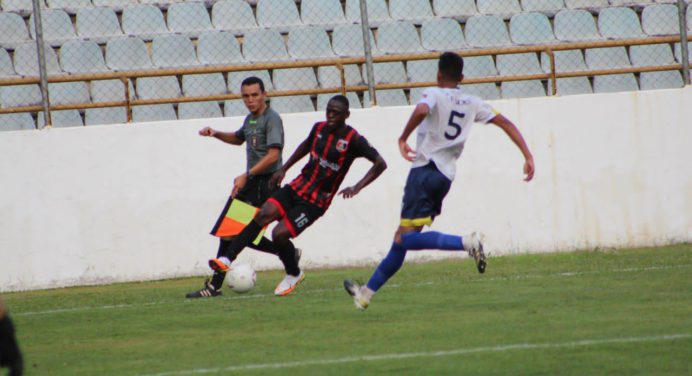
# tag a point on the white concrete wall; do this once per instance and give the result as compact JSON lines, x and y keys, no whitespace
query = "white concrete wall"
{"x":135,"y":202}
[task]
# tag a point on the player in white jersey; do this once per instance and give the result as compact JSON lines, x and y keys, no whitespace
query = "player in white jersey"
{"x":443,"y":132}
{"x":444,"y":117}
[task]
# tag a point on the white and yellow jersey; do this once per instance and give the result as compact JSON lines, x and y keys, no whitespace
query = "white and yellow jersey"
{"x":442,"y":134}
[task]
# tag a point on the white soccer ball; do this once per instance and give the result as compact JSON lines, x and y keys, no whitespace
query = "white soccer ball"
{"x":241,"y":278}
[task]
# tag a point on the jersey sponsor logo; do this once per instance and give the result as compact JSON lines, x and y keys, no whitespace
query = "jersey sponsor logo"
{"x":326,"y":164}
{"x":341,"y":145}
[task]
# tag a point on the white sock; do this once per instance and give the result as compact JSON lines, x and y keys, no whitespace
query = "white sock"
{"x":225,"y":260}
{"x":366,"y":292}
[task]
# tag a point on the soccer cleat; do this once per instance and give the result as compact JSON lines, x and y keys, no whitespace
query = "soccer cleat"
{"x":207,"y":292}
{"x":354,"y":290}
{"x":219,"y":265}
{"x":474,"y":246}
{"x":288,"y":284}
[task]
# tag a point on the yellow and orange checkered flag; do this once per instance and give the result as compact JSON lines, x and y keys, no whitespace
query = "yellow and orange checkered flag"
{"x":239,"y":214}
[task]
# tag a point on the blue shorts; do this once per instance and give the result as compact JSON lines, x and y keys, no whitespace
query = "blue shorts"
{"x":426,"y":188}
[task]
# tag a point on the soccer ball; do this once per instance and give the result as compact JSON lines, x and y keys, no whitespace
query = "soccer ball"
{"x":241,"y":278}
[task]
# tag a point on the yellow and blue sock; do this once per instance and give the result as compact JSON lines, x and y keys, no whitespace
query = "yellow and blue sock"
{"x":414,"y":241}
{"x":388,"y":267}
{"x":411,"y":241}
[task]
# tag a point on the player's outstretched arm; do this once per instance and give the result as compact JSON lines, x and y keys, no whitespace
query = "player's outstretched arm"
{"x":516,"y":137}
{"x":227,"y":137}
{"x":302,"y":150}
{"x":417,"y":117}
{"x":378,"y":166}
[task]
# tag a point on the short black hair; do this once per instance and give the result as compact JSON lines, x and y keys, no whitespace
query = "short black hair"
{"x":451,"y":66}
{"x":253,"y":80}
{"x":340,"y":98}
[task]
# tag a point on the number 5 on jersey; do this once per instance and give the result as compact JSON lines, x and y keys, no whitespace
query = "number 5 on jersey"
{"x":456,"y":127}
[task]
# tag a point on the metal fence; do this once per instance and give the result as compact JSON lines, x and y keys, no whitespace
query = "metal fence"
{"x":118,"y":61}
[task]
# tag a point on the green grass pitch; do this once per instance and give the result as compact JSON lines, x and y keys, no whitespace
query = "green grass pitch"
{"x":626,"y":312}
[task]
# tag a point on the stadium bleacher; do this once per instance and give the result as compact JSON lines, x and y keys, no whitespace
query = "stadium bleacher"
{"x":98,"y":24}
{"x":87,"y":36}
{"x":196,"y":85}
{"x":324,"y":13}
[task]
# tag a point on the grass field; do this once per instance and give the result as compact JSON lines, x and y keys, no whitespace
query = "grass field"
{"x":623,"y":312}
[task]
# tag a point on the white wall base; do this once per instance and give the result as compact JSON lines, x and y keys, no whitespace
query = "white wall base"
{"x":135,"y":202}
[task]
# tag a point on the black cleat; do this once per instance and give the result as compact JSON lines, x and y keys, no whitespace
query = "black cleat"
{"x":207,"y":292}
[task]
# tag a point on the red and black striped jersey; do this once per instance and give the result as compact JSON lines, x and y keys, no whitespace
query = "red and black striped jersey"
{"x":331,"y":155}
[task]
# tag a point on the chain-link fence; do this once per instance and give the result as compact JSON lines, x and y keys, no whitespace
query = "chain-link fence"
{"x":115,"y":61}
{"x":511,"y":25}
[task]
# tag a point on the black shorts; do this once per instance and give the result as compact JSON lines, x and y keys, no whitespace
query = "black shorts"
{"x":297,"y":213}
{"x":256,"y":192}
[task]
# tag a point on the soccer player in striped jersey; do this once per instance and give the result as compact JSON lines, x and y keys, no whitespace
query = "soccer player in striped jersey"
{"x":444,"y":117}
{"x":332,"y":146}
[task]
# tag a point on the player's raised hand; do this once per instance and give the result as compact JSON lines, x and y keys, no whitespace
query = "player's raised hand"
{"x":406,"y":151}
{"x":528,"y":169}
{"x":277,"y":177}
{"x":207,"y":132}
{"x":349,"y":192}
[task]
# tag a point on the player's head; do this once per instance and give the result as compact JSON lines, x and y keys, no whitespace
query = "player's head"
{"x":450,"y":68}
{"x":254,"y":96}
{"x":337,"y":110}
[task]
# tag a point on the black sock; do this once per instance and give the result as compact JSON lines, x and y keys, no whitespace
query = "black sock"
{"x":10,"y":355}
{"x":287,"y":254}
{"x":265,"y":245}
{"x":217,"y":280}
{"x":242,"y":240}
{"x":218,"y":277}
{"x":223,"y":247}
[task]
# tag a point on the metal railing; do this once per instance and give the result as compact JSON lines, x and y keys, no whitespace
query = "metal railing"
{"x":414,"y":50}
